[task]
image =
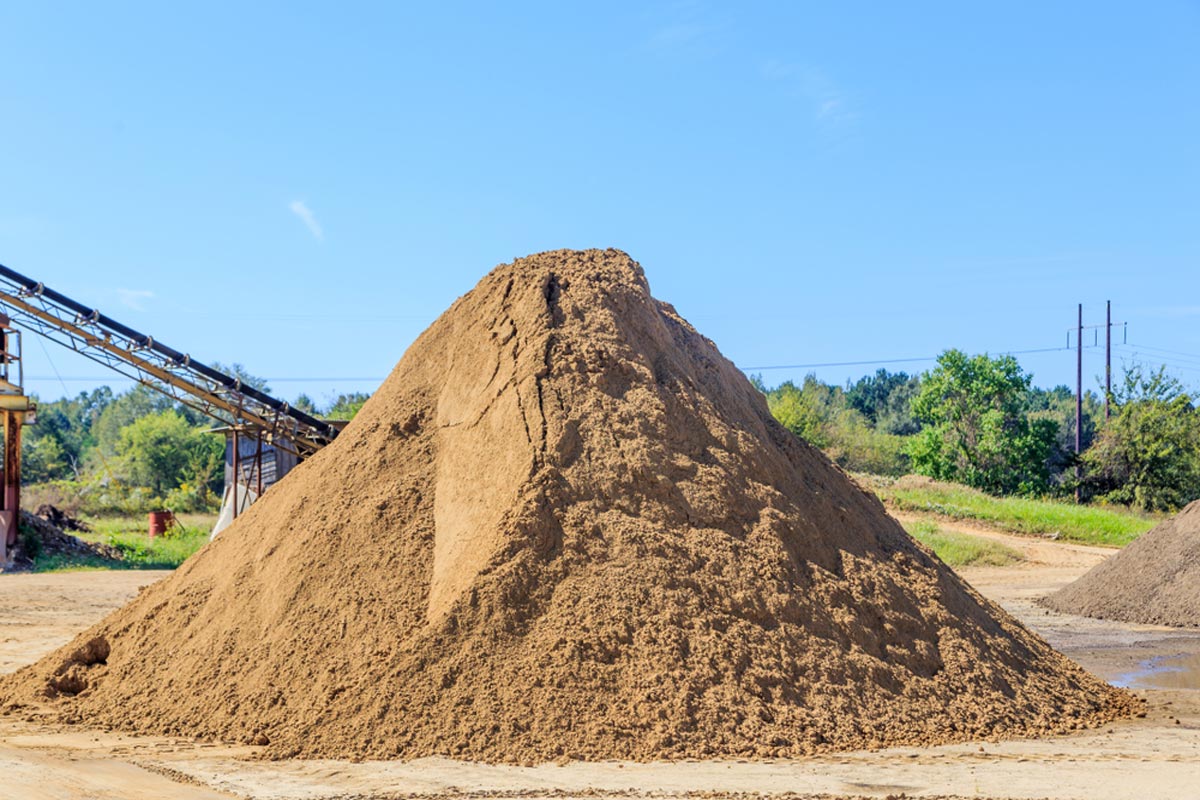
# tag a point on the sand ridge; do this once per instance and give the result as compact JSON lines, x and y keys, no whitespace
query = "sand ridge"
{"x":565,"y":527}
{"x":1154,"y":580}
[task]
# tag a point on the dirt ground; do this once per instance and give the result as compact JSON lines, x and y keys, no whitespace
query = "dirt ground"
{"x":1154,"y":757}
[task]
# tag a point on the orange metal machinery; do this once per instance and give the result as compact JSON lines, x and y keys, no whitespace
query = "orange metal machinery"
{"x":54,"y":316}
{"x":17,"y":410}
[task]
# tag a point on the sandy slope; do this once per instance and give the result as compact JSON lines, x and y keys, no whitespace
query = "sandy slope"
{"x":1154,"y":757}
{"x":653,"y":569}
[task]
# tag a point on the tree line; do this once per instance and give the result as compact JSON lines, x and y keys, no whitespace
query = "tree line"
{"x":979,"y":420}
{"x":976,"y":420}
{"x":104,"y":452}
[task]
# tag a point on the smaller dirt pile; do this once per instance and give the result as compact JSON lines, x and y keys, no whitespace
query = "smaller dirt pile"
{"x":1155,"y":580}
{"x":61,"y":519}
{"x":41,"y":537}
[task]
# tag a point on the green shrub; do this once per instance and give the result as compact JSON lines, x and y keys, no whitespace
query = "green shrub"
{"x":819,"y":414}
{"x":190,"y":497}
{"x":96,"y":497}
{"x":29,"y":542}
{"x":1148,"y":455}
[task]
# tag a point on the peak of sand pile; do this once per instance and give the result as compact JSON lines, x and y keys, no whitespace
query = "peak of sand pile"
{"x":565,"y":526}
{"x":1155,"y":580}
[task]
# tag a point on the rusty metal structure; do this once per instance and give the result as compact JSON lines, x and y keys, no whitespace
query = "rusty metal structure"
{"x":17,"y":410}
{"x":248,"y":412}
{"x":36,"y":307}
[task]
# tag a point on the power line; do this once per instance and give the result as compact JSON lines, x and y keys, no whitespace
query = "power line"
{"x":1188,"y":366}
{"x":839,"y":364}
{"x":1164,"y":350}
{"x":1181,"y":360}
{"x":898,"y":360}
{"x":50,"y":361}
{"x":1167,"y":355}
{"x":1159,"y":357}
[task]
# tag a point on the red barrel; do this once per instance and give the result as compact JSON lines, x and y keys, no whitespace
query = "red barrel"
{"x":159,"y":522}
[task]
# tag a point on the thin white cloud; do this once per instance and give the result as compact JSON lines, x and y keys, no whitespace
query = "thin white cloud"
{"x":301,"y":210}
{"x":829,"y":105}
{"x":133,"y":298}
{"x":678,"y":35}
{"x":830,"y":108}
{"x":778,"y":70}
{"x":683,"y":29}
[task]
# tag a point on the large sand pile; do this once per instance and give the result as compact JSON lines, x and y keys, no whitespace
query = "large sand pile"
{"x":565,"y":526}
{"x":1155,"y":580}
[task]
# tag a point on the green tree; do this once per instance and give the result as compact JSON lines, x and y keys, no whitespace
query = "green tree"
{"x":806,"y":410}
{"x":161,"y":451}
{"x":820,"y":414}
{"x":1148,"y":455}
{"x":43,"y":460}
{"x":240,"y":372}
{"x":305,"y":403}
{"x":885,"y":399}
{"x":347,"y":405}
{"x":56,"y":446}
{"x":977,"y":430}
{"x":1058,"y":405}
{"x":124,"y":410}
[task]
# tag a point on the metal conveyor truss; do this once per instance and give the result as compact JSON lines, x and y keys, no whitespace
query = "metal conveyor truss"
{"x":139,"y":357}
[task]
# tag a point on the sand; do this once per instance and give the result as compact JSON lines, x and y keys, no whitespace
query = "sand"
{"x":1152,"y":758}
{"x":1155,"y":580}
{"x":565,"y":528}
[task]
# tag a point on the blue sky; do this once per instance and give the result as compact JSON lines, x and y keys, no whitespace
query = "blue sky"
{"x":304,"y":187}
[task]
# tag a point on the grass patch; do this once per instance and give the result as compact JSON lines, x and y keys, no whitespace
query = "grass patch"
{"x":137,"y":550}
{"x":58,"y":562}
{"x":961,"y":550}
{"x":1109,"y":526}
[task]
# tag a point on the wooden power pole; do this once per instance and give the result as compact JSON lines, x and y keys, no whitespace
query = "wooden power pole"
{"x":1107,"y":356}
{"x":1078,"y":399}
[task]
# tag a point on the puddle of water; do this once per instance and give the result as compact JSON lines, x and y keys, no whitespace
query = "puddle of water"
{"x":1180,"y":671}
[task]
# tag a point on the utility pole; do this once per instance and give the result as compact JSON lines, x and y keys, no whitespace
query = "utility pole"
{"x":1107,"y":357}
{"x":1078,"y":398}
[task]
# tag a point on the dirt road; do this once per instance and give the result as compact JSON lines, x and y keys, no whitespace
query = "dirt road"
{"x":39,"y":612}
{"x":1154,"y":757}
